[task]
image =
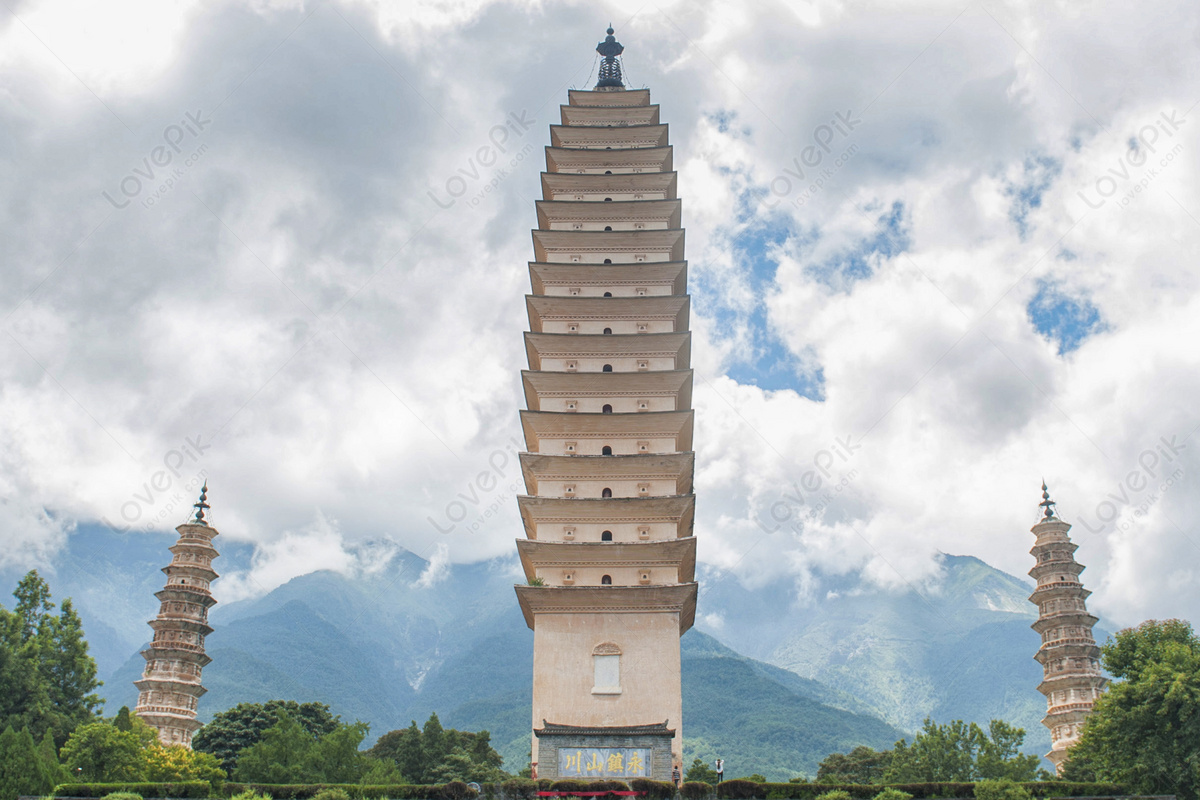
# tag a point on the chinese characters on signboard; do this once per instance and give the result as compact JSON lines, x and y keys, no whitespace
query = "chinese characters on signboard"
{"x":604,"y":762}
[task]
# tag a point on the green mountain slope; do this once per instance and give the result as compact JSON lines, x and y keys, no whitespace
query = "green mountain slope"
{"x":780,"y":690}
{"x":961,"y":649}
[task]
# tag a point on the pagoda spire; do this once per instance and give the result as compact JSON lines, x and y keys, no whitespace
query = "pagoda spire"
{"x":170,"y":689}
{"x":610,"y":68}
{"x":1069,"y":656}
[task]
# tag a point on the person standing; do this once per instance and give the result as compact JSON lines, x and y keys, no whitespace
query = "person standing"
{"x":675,"y":776}
{"x":720,"y":764}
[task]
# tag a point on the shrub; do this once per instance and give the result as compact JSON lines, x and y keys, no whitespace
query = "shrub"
{"x":249,"y":794}
{"x":1001,"y":790}
{"x":739,"y":789}
{"x":695,"y":790}
{"x":570,"y":785}
{"x":332,"y":794}
{"x":455,"y":790}
{"x":837,"y":794}
{"x":893,"y":794}
{"x":522,"y":788}
{"x":654,"y":790}
{"x":123,"y":796}
{"x":608,"y":786}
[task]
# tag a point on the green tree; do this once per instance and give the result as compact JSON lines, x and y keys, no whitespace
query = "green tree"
{"x":33,"y":604}
{"x":122,"y":722}
{"x":335,"y":758}
{"x":402,"y":748}
{"x":52,"y":769}
{"x":700,"y":772}
{"x":47,"y":678}
{"x":958,"y":751}
{"x":862,"y":765}
{"x":281,"y":755}
{"x":434,"y":745}
{"x":1144,"y":732}
{"x":21,"y":772}
{"x":438,"y":754}
{"x":939,"y":753}
{"x":998,"y":755}
{"x":232,"y":731}
{"x":98,"y":752}
{"x":171,"y":763}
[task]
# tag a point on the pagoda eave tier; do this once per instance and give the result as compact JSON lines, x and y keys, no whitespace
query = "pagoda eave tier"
{"x":665,"y":213}
{"x":609,"y":137}
{"x":191,"y":571}
{"x":1067,"y":648}
{"x":670,"y":383}
{"x":1064,"y":618}
{"x":679,"y":511}
{"x":544,"y":346}
{"x":565,"y":245}
{"x":161,"y":718}
{"x":194,"y":546}
{"x":609,"y":163}
{"x":669,"y":309}
{"x":1072,"y":680}
{"x":679,"y":554}
{"x":559,"y":186}
{"x":180,"y":623}
{"x":677,"y":598}
{"x":589,"y":97}
{"x":1065,"y":565}
{"x":173,"y":685}
{"x":677,"y":467}
{"x":610,"y":115}
{"x":193,"y":654}
{"x":675,"y":425}
{"x":1049,"y":591}
{"x":186,"y":594}
{"x":671,"y":275}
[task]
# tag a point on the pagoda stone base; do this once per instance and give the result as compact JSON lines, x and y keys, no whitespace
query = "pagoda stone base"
{"x":604,"y":753}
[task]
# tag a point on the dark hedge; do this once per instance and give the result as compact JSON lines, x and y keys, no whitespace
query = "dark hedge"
{"x":749,"y":790}
{"x":188,"y":789}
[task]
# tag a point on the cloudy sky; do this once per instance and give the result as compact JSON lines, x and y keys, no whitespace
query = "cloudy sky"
{"x":938,"y":251}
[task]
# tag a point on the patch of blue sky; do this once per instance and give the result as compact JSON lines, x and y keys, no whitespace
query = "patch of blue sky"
{"x":756,"y":243}
{"x":1063,"y":318}
{"x":892,"y":237}
{"x":1038,"y":174}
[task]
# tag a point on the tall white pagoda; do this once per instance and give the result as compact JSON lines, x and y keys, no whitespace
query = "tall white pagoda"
{"x":608,"y":552}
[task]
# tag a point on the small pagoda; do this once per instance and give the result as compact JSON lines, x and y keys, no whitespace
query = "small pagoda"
{"x":170,"y":689}
{"x":1069,"y":656}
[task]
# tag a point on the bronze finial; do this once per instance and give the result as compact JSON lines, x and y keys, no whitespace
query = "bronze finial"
{"x":1047,"y":503}
{"x":202,"y":504}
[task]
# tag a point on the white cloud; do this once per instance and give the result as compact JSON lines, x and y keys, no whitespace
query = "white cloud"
{"x":297,"y":298}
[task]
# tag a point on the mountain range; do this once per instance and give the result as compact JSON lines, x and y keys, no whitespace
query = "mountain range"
{"x":771,"y":683}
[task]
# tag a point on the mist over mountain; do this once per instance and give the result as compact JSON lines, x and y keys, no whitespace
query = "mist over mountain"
{"x":770,"y":683}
